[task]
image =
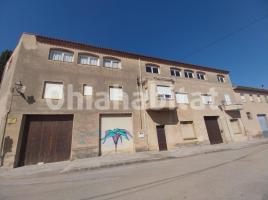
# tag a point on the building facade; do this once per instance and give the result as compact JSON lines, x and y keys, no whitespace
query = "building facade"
{"x":63,"y":100}
{"x":255,"y":110}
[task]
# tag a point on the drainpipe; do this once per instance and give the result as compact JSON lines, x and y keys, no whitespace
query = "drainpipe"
{"x":142,"y":107}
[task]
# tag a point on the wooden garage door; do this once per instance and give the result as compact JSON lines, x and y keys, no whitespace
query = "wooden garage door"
{"x":46,"y":138}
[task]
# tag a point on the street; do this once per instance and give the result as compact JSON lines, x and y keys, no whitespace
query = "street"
{"x":235,"y":174}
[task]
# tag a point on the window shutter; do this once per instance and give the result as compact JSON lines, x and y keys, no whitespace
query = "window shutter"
{"x":53,"y":91}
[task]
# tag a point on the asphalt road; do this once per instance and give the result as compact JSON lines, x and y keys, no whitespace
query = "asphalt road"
{"x":238,"y":174}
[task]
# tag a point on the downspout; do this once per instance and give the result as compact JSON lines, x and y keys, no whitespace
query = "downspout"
{"x":142,"y":107}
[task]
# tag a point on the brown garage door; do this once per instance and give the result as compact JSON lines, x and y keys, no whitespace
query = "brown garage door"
{"x":46,"y":138}
{"x":213,"y":130}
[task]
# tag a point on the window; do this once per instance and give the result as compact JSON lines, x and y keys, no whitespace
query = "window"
{"x":221,"y":78}
{"x":175,"y":72}
{"x":53,"y":90}
{"x":188,"y":74}
{"x":164,"y":92}
{"x":87,"y":90}
{"x":201,"y":76}
{"x":227,"y":99}
{"x":182,"y":98}
{"x":259,"y":99}
{"x":146,"y":94}
{"x":243,"y":98}
{"x":88,"y":60}
{"x":152,"y":69}
{"x":112,"y":63}
{"x":59,"y":55}
{"x":251,"y":98}
{"x":116,"y":93}
{"x":187,"y":130}
{"x":206,"y":99}
{"x":249,"y":115}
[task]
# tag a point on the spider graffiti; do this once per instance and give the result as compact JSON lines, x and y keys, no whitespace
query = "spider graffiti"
{"x":116,"y":134}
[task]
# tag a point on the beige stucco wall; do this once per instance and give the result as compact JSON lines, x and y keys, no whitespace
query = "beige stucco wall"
{"x":252,"y":126}
{"x":34,"y":68}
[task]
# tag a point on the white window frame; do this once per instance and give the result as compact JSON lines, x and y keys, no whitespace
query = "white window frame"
{"x":251,"y":98}
{"x":187,"y":74}
{"x":182,"y":98}
{"x":164,"y":92}
{"x":175,"y":71}
{"x":227,"y":99}
{"x":152,"y":67}
{"x":259,"y":99}
{"x":87,"y":90}
{"x":50,"y":93}
{"x":243,"y":98}
{"x":201,"y":76}
{"x":89,"y":59}
{"x":112,"y":62}
{"x":62,"y":55}
{"x":207,"y":99}
{"x":221,"y":78}
{"x":118,"y":96}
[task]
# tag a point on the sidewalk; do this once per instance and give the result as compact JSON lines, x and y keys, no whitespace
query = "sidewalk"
{"x":122,"y":159}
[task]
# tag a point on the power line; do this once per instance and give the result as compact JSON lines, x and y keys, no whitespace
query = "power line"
{"x":228,"y":35}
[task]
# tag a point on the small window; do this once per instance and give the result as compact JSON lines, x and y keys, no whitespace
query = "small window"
{"x":53,"y":90}
{"x":59,"y":55}
{"x":112,"y":63}
{"x":259,"y":99}
{"x":251,"y":98}
{"x":88,"y":60}
{"x":207,"y":99}
{"x":227,"y":99}
{"x":116,"y":93}
{"x":221,"y":78}
{"x":152,"y":69}
{"x":164,"y":92}
{"x":201,"y":76}
{"x":175,"y":72}
{"x":188,"y":74}
{"x":243,"y":98}
{"x":182,"y":98}
{"x":87,"y":90}
{"x":249,"y":116}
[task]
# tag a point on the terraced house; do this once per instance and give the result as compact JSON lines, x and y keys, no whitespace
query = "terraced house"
{"x":64,"y":100}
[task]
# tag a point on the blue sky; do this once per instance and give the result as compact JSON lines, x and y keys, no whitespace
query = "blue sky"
{"x":229,"y":34}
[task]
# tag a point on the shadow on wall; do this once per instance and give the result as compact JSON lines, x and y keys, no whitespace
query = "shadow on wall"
{"x":7,"y":148}
{"x":234,"y":114}
{"x":168,"y":117}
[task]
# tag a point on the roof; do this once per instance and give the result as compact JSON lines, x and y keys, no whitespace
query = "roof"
{"x":252,"y":89}
{"x":86,"y":47}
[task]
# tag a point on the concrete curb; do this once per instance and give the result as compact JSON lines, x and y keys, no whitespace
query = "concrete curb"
{"x":122,"y":159}
{"x":158,"y":156}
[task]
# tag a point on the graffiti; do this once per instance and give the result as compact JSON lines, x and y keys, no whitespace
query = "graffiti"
{"x":85,"y":137}
{"x":116,"y":134}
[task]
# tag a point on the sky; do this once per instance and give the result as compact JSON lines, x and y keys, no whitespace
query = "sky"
{"x":225,"y":34}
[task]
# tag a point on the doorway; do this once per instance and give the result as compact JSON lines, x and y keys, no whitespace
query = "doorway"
{"x":46,"y":138}
{"x":213,"y":129}
{"x":263,"y":123}
{"x":161,"y":136}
